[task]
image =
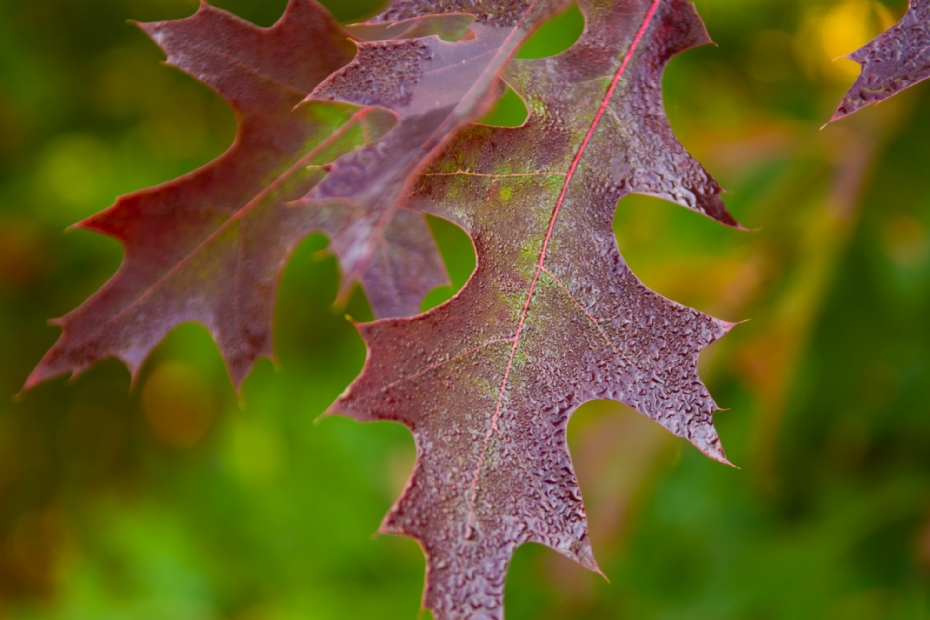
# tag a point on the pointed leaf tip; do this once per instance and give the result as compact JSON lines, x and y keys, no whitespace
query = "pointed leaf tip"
{"x":892,"y":62}
{"x":209,"y":247}
{"x":551,"y":317}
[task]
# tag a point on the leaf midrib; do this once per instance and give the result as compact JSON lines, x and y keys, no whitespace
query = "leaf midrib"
{"x":540,"y":267}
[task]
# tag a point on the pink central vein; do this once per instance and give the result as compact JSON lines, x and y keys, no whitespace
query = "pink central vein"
{"x":647,"y":20}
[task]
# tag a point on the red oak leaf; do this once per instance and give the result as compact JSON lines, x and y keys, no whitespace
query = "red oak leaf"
{"x":897,"y":59}
{"x":209,"y":247}
{"x":435,"y":87}
{"x":552,"y":316}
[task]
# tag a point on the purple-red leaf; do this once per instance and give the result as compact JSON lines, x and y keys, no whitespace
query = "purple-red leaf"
{"x":435,"y":87}
{"x":209,"y":247}
{"x":552,"y":316}
{"x":897,"y":59}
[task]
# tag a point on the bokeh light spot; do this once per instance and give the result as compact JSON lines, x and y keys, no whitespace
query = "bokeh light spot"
{"x":36,"y":540}
{"x":257,"y":453}
{"x":905,"y":241}
{"x":178,"y":404}
{"x":73,"y":177}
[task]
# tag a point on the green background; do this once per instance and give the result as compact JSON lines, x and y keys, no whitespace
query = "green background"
{"x":175,"y":499}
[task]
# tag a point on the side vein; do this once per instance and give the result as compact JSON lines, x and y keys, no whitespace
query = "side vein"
{"x":492,"y":176}
{"x":590,"y":317}
{"x":449,"y":360}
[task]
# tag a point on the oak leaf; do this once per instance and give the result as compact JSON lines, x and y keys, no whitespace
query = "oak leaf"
{"x":552,"y":316}
{"x":895,"y":60}
{"x":210,"y":246}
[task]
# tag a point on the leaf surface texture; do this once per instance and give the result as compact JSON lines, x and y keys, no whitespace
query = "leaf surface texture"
{"x":552,"y":317}
{"x":210,"y":246}
{"x":895,"y":60}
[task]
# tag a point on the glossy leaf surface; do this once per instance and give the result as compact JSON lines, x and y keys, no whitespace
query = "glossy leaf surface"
{"x":897,"y":59}
{"x":435,"y":87}
{"x":209,"y":247}
{"x":552,"y":316}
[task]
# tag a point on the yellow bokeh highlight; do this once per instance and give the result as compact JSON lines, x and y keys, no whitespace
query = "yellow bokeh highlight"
{"x":828,"y":36}
{"x":845,"y":28}
{"x":178,"y":404}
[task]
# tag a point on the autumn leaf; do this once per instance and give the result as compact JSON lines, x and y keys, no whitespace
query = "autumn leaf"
{"x":435,"y":87}
{"x":210,"y":246}
{"x":895,"y":60}
{"x":552,"y":316}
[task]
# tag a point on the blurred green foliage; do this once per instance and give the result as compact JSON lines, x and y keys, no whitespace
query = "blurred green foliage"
{"x":176,"y":499}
